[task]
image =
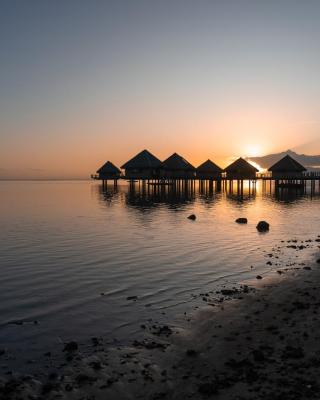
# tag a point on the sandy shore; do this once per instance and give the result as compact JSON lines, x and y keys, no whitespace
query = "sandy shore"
{"x":260,"y":341}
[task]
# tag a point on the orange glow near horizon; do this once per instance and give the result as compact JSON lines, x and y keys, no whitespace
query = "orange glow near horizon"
{"x":76,"y":148}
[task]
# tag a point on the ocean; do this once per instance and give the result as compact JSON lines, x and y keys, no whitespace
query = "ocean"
{"x":78,"y":260}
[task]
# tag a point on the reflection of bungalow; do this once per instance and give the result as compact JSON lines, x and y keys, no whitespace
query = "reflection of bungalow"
{"x":287,"y":168}
{"x":143,"y":166}
{"x":209,"y":170}
{"x":241,"y":169}
{"x":176,"y":167}
{"x":108,"y":171}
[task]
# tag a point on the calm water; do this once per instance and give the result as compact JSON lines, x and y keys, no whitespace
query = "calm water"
{"x":62,"y":244}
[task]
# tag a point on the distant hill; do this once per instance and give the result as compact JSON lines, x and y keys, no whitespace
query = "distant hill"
{"x":310,"y":162}
{"x":312,"y":147}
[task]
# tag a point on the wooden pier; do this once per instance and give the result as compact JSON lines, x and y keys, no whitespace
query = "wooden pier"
{"x":226,"y":184}
{"x":146,"y":171}
{"x":301,"y":182}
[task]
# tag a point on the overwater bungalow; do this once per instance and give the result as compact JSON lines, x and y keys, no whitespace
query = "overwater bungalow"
{"x":108,"y":172}
{"x":241,"y":170}
{"x":287,"y":168}
{"x":176,"y":167}
{"x":143,"y":166}
{"x":209,"y":171}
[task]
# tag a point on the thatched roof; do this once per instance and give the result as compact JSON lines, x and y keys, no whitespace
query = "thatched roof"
{"x":209,"y":166}
{"x":108,"y":168}
{"x":177,"y":163}
{"x":143,"y":160}
{"x":287,"y":164}
{"x":241,"y":165}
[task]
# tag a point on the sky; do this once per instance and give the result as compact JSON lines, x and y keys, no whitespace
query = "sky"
{"x":82,"y":82}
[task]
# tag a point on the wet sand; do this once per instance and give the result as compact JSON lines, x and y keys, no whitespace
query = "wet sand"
{"x":260,"y":340}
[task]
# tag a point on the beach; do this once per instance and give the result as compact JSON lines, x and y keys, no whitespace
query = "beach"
{"x":259,"y":340}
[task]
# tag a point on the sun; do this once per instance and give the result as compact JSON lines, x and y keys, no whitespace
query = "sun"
{"x":253,"y":150}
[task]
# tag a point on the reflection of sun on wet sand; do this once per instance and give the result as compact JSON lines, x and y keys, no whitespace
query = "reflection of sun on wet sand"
{"x":255,"y":341}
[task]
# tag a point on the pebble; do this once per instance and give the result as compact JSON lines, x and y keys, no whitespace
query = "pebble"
{"x":70,"y":346}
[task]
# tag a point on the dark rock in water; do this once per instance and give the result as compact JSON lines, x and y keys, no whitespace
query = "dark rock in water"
{"x":293,"y":352}
{"x":241,"y":220}
{"x":96,"y":365}
{"x":68,"y":387}
{"x":162,"y":330}
{"x":208,"y":389}
{"x":272,"y":328}
{"x":192,"y":217}
{"x":263,"y":226}
{"x":149,"y":345}
{"x":69,"y":357}
{"x":239,"y":364}
{"x":191,"y":353}
{"x":300,"y":305}
{"x":307,"y":268}
{"x":258,"y":355}
{"x":71,"y":346}
{"x":258,"y":277}
{"x":132,"y":298}
{"x":48,"y":387}
{"x":318,"y":261}
{"x":251,"y":376}
{"x":53,"y":376}
{"x":84,"y":378}
{"x":95,"y":341}
{"x":245,"y":289}
{"x":2,"y":352}
{"x":229,"y":292}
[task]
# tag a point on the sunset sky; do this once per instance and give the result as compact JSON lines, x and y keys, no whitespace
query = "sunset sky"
{"x":83,"y":82}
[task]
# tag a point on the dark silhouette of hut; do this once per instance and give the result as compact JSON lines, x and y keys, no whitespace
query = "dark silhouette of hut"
{"x":287,"y":168}
{"x":142,"y":166}
{"x":241,"y":170}
{"x":176,"y":167}
{"x":209,"y":170}
{"x":108,"y":172}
